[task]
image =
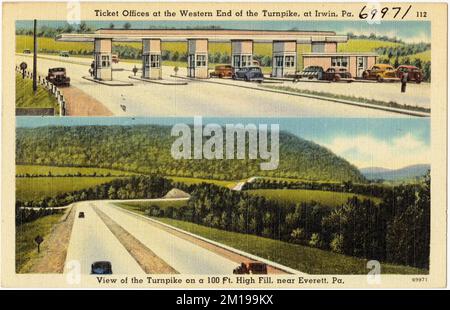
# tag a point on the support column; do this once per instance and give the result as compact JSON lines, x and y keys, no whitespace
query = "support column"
{"x":284,"y":58}
{"x":102,"y":59}
{"x":151,"y":59}
{"x":241,"y":53}
{"x":198,"y":58}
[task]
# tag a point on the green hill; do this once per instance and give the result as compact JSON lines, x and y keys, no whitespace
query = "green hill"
{"x":146,"y":149}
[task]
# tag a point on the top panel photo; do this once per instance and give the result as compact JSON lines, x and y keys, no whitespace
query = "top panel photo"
{"x":223,"y":68}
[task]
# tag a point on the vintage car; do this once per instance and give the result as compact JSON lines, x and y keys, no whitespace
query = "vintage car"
{"x":101,"y":267}
{"x":251,"y":268}
{"x":311,"y":72}
{"x":58,"y":77}
{"x":115,"y":58}
{"x":222,"y":71}
{"x":380,"y":72}
{"x":337,"y":74}
{"x":249,"y":74}
{"x":64,"y":54}
{"x":27,"y":51}
{"x":414,"y":73}
{"x":81,"y":215}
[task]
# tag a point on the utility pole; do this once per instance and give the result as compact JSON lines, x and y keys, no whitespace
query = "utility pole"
{"x":34,"y":58}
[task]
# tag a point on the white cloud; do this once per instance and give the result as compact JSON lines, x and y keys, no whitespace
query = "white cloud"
{"x":367,"y":151}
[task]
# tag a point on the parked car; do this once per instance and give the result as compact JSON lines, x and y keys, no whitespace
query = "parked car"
{"x":101,"y":267}
{"x":115,"y":58}
{"x":27,"y":51}
{"x":311,"y":72}
{"x":380,"y":72}
{"x":81,"y":215}
{"x":222,"y":71}
{"x":249,"y":74}
{"x":58,"y":77}
{"x":64,"y":54}
{"x":414,"y":73}
{"x":251,"y":268}
{"x":337,"y":74}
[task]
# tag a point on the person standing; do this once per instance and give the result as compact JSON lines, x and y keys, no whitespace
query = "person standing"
{"x":404,"y":80}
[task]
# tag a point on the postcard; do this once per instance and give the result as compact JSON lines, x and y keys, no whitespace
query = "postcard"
{"x":224,"y":145}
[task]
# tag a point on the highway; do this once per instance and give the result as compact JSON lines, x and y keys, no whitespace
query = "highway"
{"x":91,"y":240}
{"x":196,"y":98}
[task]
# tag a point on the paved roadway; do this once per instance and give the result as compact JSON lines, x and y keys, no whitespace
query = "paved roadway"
{"x":91,"y":240}
{"x":196,"y":98}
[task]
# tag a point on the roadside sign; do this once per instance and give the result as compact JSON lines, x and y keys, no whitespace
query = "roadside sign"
{"x":38,"y":241}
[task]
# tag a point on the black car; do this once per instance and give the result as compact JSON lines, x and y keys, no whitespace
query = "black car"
{"x":101,"y":267}
{"x":81,"y":215}
{"x":311,"y":72}
{"x":249,"y":74}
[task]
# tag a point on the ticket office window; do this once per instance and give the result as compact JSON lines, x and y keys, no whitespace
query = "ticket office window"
{"x":201,"y":61}
{"x":237,"y":61}
{"x":105,"y":63}
{"x":339,"y":61}
{"x":289,"y":61}
{"x":278,"y":61}
{"x":155,"y":61}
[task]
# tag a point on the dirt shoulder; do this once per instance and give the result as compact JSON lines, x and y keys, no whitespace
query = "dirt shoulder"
{"x":148,"y":260}
{"x":54,"y":248}
{"x":78,"y":103}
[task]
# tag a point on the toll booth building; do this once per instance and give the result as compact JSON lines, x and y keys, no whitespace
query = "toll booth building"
{"x":321,"y":47}
{"x":151,"y":59}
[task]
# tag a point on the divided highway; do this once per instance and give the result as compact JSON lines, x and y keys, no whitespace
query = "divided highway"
{"x":92,"y":240}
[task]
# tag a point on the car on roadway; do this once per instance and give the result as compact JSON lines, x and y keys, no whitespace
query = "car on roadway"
{"x":27,"y":51}
{"x":251,"y":268}
{"x":64,"y":54}
{"x":81,"y":215}
{"x":414,"y":73}
{"x":57,"y":76}
{"x":310,"y":72}
{"x":249,"y":74}
{"x":101,"y":267}
{"x":222,"y":71}
{"x":381,"y":73}
{"x":337,"y":74}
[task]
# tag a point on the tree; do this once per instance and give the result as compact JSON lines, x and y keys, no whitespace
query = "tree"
{"x":337,"y":244}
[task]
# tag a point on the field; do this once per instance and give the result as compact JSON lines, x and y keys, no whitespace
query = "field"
{"x":25,"y":98}
{"x":61,"y":171}
{"x":25,"y":247}
{"x":305,"y":259}
{"x":190,"y":181}
{"x":332,"y":199}
{"x":38,"y":188}
{"x":364,"y":45}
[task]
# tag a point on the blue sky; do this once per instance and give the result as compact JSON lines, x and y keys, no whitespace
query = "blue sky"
{"x":390,"y":143}
{"x":408,"y":31}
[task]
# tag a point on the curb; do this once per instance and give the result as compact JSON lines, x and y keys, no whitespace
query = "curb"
{"x":354,"y":103}
{"x":118,"y":83}
{"x":160,"y":82}
{"x":248,"y":255}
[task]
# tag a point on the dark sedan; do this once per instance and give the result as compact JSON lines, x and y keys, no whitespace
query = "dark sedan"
{"x":249,"y":74}
{"x":337,"y":74}
{"x":101,"y":267}
{"x":414,"y":73}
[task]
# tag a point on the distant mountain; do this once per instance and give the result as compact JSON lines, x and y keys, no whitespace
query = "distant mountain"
{"x":409,"y":172}
{"x":147,"y":149}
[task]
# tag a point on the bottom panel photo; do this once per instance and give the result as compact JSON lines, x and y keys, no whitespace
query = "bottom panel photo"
{"x":222,"y":196}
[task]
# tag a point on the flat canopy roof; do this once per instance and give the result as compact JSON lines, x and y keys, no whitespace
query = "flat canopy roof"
{"x":213,"y":35}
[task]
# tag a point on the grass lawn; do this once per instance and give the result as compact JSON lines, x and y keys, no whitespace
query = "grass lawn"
{"x":26,"y":248}
{"x":37,"y":188}
{"x":332,"y":199}
{"x":61,"y":171}
{"x":306,"y":259}
{"x":141,"y":206}
{"x":26,"y":98}
{"x":364,"y":45}
{"x":190,"y":181}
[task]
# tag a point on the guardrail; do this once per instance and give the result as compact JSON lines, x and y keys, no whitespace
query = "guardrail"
{"x":51,"y":88}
